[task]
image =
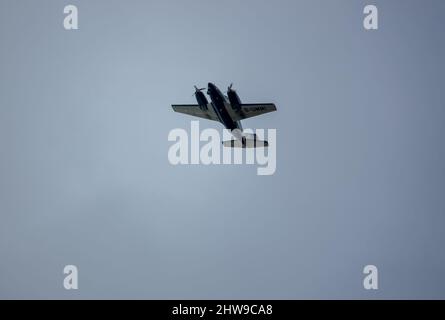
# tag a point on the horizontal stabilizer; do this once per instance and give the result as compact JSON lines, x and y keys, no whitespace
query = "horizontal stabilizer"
{"x":246,"y":143}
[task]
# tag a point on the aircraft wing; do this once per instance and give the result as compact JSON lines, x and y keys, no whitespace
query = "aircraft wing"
{"x":252,"y":110}
{"x":195,"y":110}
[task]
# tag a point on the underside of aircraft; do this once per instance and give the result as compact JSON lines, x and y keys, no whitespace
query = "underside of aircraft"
{"x":229,"y":111}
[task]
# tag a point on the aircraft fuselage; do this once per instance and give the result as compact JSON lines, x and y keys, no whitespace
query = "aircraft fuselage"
{"x":220,"y":105}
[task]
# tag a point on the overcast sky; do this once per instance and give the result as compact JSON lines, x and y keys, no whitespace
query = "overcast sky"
{"x":85,"y":178}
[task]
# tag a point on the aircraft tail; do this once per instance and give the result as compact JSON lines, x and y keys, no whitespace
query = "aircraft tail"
{"x":246,"y":143}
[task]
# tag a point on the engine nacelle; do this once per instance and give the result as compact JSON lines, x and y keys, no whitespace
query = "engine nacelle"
{"x":202,"y":100}
{"x":234,"y":100}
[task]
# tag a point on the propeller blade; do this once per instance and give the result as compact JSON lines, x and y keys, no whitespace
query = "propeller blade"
{"x":197,"y":90}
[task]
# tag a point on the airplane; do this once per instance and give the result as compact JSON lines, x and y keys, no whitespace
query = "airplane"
{"x":229,"y":111}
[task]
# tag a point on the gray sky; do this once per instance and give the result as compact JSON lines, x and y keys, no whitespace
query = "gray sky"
{"x":85,"y":179}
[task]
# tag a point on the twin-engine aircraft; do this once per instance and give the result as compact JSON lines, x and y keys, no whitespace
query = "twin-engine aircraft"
{"x":229,"y":111}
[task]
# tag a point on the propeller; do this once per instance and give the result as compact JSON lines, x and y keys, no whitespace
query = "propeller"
{"x":197,"y":90}
{"x":230,"y":87}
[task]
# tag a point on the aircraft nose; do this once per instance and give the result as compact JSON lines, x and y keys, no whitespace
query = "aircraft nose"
{"x":211,"y":88}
